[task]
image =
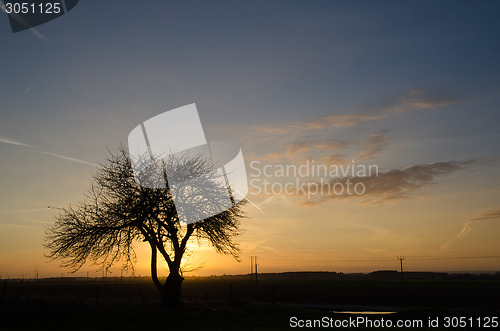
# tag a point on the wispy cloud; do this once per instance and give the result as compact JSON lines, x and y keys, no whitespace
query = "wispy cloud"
{"x":327,"y":150}
{"x":346,"y":120}
{"x":398,"y":184}
{"x":467,"y":226}
{"x":413,"y":99}
{"x":372,"y":146}
{"x":328,"y":121}
{"x":304,"y":146}
{"x":487,"y":215}
{"x":319,"y":139}
{"x":390,"y":186}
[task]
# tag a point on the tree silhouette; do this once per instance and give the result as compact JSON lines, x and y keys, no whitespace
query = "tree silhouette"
{"x":117,"y":212}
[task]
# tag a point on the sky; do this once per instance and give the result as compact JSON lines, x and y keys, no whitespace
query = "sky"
{"x":410,"y":88}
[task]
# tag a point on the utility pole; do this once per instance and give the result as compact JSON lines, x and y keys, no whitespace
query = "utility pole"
{"x":256,"y":273}
{"x":253,"y":268}
{"x":401,"y":259}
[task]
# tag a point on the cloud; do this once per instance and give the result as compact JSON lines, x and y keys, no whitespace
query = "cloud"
{"x":347,"y":120}
{"x":269,"y":157}
{"x":487,"y":215}
{"x":372,"y":146}
{"x":411,"y":100}
{"x":332,"y":158}
{"x":467,"y":226}
{"x":390,"y":186}
{"x":313,"y":138}
{"x":327,"y":150}
{"x":398,"y":184}
{"x":313,"y":145}
{"x":328,"y":121}
{"x":318,"y":184}
{"x":416,"y":99}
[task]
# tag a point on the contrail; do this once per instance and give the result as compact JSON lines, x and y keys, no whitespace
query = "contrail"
{"x":253,"y":204}
{"x":36,"y":221}
{"x":22,"y":226}
{"x":67,"y":158}
{"x":9,"y":141}
{"x":23,"y":211}
{"x":23,"y":22}
{"x":13,"y":142}
{"x":467,"y":226}
{"x":465,"y":229}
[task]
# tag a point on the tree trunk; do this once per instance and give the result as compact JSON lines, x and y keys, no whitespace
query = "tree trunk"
{"x":171,"y":294}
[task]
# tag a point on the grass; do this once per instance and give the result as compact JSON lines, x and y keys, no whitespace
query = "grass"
{"x":111,"y":305}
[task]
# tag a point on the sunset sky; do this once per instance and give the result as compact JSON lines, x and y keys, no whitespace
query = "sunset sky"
{"x":411,"y":87}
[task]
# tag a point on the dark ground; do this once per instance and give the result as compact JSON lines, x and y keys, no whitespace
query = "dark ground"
{"x":234,"y":303}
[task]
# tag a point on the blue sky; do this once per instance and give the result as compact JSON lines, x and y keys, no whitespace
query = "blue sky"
{"x":398,"y":83}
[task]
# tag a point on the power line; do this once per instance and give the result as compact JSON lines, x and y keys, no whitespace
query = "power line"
{"x":390,"y":260}
{"x":457,"y":258}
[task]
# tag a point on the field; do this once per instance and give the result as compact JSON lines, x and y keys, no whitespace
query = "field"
{"x":236,"y":303}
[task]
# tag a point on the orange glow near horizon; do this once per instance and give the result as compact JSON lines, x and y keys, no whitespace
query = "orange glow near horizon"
{"x":403,"y":88}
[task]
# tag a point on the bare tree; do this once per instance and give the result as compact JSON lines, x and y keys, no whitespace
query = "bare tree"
{"x":117,"y":211}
